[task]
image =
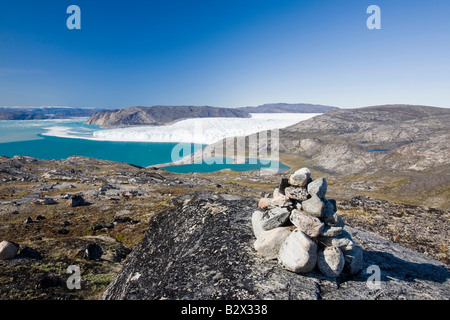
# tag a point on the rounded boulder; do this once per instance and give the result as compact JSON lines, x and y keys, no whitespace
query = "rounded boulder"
{"x":8,"y":250}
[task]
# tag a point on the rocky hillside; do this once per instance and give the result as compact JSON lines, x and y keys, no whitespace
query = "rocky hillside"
{"x":288,"y":108}
{"x":368,"y":134}
{"x":399,"y":152}
{"x":159,"y":115}
{"x":404,"y":147}
{"x":8,"y":114}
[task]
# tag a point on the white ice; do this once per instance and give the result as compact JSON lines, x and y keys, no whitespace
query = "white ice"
{"x":199,"y":130}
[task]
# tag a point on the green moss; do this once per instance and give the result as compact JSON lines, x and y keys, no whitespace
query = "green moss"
{"x":5,"y":280}
{"x":57,"y":267}
{"x":98,"y":279}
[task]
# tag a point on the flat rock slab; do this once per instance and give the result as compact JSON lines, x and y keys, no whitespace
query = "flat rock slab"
{"x":405,"y":274}
{"x":204,"y":250}
{"x":274,"y":218}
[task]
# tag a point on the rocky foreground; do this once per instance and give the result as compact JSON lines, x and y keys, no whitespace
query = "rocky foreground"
{"x":204,"y":250}
{"x":146,"y":233}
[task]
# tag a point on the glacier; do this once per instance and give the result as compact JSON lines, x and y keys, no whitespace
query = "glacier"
{"x":198,"y":130}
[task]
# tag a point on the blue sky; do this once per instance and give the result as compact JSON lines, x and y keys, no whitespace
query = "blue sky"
{"x":224,"y":53}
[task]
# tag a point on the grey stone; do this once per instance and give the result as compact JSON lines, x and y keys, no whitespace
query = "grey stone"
{"x":103,"y":226}
{"x":314,"y":206}
{"x":296,"y":193}
{"x":8,"y":250}
{"x":28,"y":220}
{"x":269,"y":242}
{"x":305,"y":171}
{"x":330,"y":262}
{"x":276,"y":193}
{"x":311,"y":226}
{"x":93,"y":251}
{"x":275,"y":217}
{"x":230,"y":197}
{"x":257,"y":223}
{"x":353,"y":260}
{"x":280,"y":201}
{"x":77,"y":201}
{"x":343,"y":241}
{"x":298,"y":253}
{"x":318,"y":187}
{"x":330,"y":231}
{"x":30,"y":253}
{"x":300,"y":177}
{"x":63,"y":231}
{"x":125,"y":220}
{"x":333,"y":219}
{"x":45,"y":201}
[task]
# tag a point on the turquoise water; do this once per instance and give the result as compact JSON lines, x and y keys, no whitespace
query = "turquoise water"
{"x":26,"y":130}
{"x":276,"y":165}
{"x":25,"y":138}
{"x":138,"y":153}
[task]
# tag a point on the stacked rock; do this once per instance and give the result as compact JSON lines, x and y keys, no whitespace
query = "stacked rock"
{"x":299,"y":227}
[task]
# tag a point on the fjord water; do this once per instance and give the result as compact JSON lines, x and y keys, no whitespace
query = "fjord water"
{"x":138,"y":153}
{"x":220,"y":165}
{"x":27,"y":138}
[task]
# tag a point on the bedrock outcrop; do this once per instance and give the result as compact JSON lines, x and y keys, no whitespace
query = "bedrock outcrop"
{"x":203,"y":249}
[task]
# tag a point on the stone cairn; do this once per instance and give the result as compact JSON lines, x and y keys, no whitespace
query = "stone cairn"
{"x":300,"y":227}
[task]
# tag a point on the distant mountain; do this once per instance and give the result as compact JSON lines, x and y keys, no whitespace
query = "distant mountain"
{"x":159,"y":115}
{"x":43,"y":113}
{"x":156,"y":115}
{"x":288,"y":108}
{"x":20,"y":115}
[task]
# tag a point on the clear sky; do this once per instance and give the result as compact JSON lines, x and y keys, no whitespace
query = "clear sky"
{"x":225,"y":53}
